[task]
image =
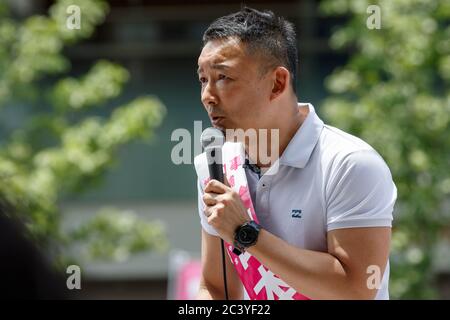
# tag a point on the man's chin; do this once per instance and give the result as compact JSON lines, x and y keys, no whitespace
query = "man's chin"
{"x":221,"y":125}
{"x":224,"y":125}
{"x":215,"y":126}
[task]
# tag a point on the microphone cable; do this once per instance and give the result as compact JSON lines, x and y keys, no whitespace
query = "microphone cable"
{"x":224,"y":268}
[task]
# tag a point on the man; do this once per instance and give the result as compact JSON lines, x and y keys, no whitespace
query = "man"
{"x":325,"y":216}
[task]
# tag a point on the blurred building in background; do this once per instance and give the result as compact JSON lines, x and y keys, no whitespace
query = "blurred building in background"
{"x":159,"y":43}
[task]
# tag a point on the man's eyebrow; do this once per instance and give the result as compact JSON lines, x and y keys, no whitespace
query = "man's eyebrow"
{"x":218,"y":66}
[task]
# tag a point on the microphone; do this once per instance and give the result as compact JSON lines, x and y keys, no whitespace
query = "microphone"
{"x":212,"y":140}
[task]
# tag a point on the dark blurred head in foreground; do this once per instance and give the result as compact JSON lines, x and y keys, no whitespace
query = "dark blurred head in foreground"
{"x":24,"y":271}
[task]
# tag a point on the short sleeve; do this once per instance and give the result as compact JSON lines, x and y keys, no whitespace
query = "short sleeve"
{"x":360,"y":192}
{"x":203,"y":221}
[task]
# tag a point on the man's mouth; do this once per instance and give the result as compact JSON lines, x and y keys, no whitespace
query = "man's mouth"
{"x":216,"y":119}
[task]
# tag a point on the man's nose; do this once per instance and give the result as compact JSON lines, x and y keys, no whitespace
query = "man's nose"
{"x":209,"y":96}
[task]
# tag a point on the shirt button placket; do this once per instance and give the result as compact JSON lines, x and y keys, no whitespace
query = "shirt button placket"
{"x":263,"y":195}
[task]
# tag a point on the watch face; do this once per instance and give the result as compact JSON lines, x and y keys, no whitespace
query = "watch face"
{"x":247,"y":235}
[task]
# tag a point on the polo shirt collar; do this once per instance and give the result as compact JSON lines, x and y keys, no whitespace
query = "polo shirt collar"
{"x":302,"y":144}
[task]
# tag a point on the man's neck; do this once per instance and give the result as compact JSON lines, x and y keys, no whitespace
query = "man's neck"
{"x":294,"y":120}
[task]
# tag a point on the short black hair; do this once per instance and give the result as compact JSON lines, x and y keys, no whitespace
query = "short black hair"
{"x":262,"y":32}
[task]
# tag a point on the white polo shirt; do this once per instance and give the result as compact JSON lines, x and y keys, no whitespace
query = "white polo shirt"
{"x":327,"y":179}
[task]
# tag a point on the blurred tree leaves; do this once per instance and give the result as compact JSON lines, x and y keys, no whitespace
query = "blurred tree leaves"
{"x":117,"y":234}
{"x":394,"y":93}
{"x":60,"y":150}
{"x":104,"y":81}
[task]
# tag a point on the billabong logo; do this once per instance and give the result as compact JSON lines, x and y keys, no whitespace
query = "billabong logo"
{"x":296,"y":213}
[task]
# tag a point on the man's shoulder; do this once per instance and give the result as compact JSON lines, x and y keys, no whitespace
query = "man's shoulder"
{"x":339,"y":141}
{"x":338,"y":148}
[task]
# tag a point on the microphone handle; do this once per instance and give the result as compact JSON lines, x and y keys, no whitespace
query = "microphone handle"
{"x":215,"y":168}
{"x":214,"y":157}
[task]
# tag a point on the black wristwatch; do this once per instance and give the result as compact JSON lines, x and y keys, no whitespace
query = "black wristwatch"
{"x":245,"y":236}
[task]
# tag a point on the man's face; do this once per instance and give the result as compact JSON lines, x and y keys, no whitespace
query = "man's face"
{"x":233,"y":90}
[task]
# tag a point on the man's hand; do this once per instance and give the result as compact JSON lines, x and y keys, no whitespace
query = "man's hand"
{"x":224,"y":209}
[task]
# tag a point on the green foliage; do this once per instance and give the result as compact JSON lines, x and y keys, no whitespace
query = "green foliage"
{"x":104,"y":81}
{"x":58,"y":151}
{"x":394,"y":93}
{"x":118,"y":234}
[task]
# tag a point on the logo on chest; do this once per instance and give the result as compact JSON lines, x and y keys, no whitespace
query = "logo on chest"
{"x":296,"y":213}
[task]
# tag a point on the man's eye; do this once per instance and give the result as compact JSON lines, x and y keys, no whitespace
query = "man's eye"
{"x":202,"y":80}
{"x":222,"y":77}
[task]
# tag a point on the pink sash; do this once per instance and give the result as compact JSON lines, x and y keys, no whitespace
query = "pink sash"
{"x":259,"y":282}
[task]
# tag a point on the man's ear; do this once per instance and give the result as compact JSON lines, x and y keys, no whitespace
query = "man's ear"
{"x":280,"y":82}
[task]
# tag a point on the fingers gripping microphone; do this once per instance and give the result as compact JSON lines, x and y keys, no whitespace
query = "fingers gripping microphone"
{"x":212,"y":140}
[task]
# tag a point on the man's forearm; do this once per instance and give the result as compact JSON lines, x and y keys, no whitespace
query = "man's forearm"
{"x":317,"y":275}
{"x":204,"y":294}
{"x":208,"y":293}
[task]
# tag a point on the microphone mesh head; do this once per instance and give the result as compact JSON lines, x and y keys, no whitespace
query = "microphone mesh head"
{"x":212,"y":137}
